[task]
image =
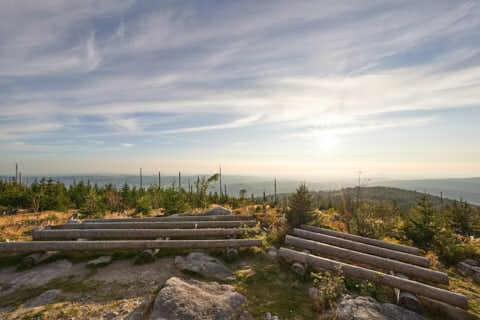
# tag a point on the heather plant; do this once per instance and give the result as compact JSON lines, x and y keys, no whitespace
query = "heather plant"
{"x":328,"y":287}
{"x":376,"y":220}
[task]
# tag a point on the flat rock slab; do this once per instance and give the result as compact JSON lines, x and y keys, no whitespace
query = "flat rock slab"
{"x":38,"y":276}
{"x":205,"y":265}
{"x":99,"y":262}
{"x":194,"y":300}
{"x":125,"y":272}
{"x":48,"y":297}
{"x":367,"y":308}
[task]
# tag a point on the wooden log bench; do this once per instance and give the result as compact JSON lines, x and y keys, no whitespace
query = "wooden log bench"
{"x":373,"y":242}
{"x":365,"y":248}
{"x":177,"y":218}
{"x":36,"y":246}
{"x":418,"y":288}
{"x":131,"y":234}
{"x":368,"y":259}
{"x":158,"y":225}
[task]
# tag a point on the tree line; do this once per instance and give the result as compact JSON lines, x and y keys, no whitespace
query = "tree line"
{"x":94,"y":200}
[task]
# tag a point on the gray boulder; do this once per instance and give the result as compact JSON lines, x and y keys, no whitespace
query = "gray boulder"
{"x":367,"y":308}
{"x":272,"y":252}
{"x":468,"y":268}
{"x":38,"y":257}
{"x":204,"y":264}
{"x":217,"y":211}
{"x":99,"y":262}
{"x":245,"y":316}
{"x":194,"y":300}
{"x":472,"y":262}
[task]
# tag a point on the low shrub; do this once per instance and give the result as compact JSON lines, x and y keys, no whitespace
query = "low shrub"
{"x":451,"y":250}
{"x":143,"y":206}
{"x":328,"y":286}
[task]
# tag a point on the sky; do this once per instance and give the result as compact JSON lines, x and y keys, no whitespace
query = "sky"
{"x":305,"y":89}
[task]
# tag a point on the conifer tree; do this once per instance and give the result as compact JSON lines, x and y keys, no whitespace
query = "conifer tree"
{"x":173,"y":201}
{"x":301,"y":207}
{"x":421,"y":226}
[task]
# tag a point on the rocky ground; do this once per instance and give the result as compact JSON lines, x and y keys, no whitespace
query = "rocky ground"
{"x":62,"y":290}
{"x":181,"y":284}
{"x":195,"y":285}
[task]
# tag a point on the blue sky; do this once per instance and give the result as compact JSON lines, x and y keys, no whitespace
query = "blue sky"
{"x":307,"y":89}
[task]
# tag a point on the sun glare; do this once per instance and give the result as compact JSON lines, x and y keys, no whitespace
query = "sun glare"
{"x":326,"y":142}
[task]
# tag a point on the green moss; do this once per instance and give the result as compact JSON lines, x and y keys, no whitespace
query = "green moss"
{"x":274,"y":288}
{"x":99,"y":291}
{"x":369,"y":288}
{"x":34,"y":315}
{"x":10,"y":260}
{"x":144,"y":258}
{"x":21,"y":295}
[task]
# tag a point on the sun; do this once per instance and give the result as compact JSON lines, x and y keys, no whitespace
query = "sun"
{"x":327,"y":142}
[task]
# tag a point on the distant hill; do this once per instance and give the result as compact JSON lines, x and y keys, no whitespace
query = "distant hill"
{"x":467,"y":189}
{"x":402,"y":198}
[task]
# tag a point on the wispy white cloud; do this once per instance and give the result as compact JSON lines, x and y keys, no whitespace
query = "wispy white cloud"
{"x":230,"y":125}
{"x":78,"y":70}
{"x":130,"y":125}
{"x":36,"y":38}
{"x":15,"y":130}
{"x":126,"y":145}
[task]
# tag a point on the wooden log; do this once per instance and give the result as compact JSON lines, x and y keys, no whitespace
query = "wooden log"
{"x":130,"y":234}
{"x":407,"y":299}
{"x":382,"y":278}
{"x":158,"y":225}
{"x":368,"y":259}
{"x":177,"y":218}
{"x":299,"y":268}
{"x":362,"y":247}
{"x":34,"y":246}
{"x":373,"y":242}
{"x":447,"y":311}
{"x":231,"y":254}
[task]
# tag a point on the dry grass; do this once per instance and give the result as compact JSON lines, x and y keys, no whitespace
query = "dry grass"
{"x":17,"y":227}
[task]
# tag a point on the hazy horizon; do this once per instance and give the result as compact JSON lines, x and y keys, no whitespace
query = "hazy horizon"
{"x":456,"y":188}
{"x":307,"y":90}
{"x":149,"y":174}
